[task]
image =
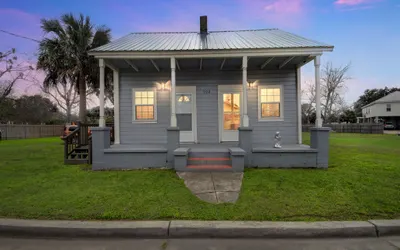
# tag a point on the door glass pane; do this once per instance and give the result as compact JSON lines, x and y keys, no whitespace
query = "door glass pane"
{"x":231,"y":119}
{"x":227,"y":103}
{"x":183,"y":103}
{"x":236,"y":102}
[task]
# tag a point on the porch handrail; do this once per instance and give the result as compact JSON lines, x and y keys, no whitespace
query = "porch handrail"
{"x":71,"y":142}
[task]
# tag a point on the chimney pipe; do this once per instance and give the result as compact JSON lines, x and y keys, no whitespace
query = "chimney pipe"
{"x":203,"y":25}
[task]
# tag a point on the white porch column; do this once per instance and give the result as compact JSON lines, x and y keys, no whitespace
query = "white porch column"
{"x":173,"y":91}
{"x":318,"y":121}
{"x":101,"y":119}
{"x":116,"y":107}
{"x":245,"y":117}
{"x":299,"y":120}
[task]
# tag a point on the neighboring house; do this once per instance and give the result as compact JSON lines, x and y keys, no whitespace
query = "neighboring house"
{"x":208,"y":101}
{"x":386,"y":109}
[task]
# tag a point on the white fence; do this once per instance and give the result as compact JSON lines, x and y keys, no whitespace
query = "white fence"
{"x":18,"y":131}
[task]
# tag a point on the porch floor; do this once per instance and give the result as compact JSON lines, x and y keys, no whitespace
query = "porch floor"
{"x":216,"y":147}
{"x":136,"y":148}
{"x":285,"y":148}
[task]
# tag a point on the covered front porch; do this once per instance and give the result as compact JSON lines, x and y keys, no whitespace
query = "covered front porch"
{"x":205,"y":111}
{"x":208,"y":98}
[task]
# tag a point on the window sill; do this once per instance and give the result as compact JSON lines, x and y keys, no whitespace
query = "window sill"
{"x":140,"y":122}
{"x":271,"y":120}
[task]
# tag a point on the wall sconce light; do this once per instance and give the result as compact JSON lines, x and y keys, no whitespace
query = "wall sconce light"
{"x":252,"y":85}
{"x":163,"y":86}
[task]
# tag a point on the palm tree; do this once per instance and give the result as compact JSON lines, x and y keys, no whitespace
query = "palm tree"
{"x":63,"y":55}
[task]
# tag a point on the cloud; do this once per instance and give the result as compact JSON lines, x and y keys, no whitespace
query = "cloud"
{"x":358,"y":8}
{"x":352,"y":5}
{"x":277,"y":13}
{"x":354,"y":2}
{"x":284,"y":6}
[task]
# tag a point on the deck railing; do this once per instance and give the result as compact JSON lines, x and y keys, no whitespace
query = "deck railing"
{"x":71,"y":142}
{"x":81,"y":139}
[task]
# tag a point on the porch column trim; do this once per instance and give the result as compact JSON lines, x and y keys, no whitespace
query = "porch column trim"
{"x":299,"y":120}
{"x":116,"y":107}
{"x":173,"y":91}
{"x":101,"y":96}
{"x":245,"y":117}
{"x":317,"y":63}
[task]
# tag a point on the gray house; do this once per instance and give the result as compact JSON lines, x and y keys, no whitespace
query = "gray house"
{"x":205,"y":100}
{"x":386,"y":108}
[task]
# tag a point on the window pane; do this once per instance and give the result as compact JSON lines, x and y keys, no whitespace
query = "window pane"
{"x":277,"y":91}
{"x":227,"y":102}
{"x":144,"y":101}
{"x":236,"y":102}
{"x":138,"y":94}
{"x":144,"y":112}
{"x":270,"y":99}
{"x":263,"y":99}
{"x":263,"y":91}
{"x":277,"y":98}
{"x":270,"y":91}
{"x":231,"y":121}
{"x":150,"y":94}
{"x":150,"y":101}
{"x":183,"y":98}
{"x":138,"y":100}
{"x":270,"y":110}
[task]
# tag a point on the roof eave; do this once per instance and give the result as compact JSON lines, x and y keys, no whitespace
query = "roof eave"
{"x":213,"y":53}
{"x":380,"y":102}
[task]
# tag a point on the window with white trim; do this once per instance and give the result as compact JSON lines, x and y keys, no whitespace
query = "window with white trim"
{"x":144,"y":105}
{"x":388,"y":107}
{"x":270,"y":100}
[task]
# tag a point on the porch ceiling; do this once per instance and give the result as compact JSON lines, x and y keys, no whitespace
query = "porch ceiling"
{"x":208,"y":64}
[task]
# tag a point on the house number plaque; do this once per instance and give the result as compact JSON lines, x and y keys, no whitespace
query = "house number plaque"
{"x":206,"y":91}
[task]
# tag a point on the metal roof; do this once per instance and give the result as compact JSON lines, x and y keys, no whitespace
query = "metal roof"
{"x":392,"y":97}
{"x":215,"y":40}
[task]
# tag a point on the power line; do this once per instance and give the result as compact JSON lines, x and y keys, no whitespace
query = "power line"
{"x":13,"y":34}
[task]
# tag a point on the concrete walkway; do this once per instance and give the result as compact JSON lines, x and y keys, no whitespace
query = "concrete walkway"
{"x":214,"y":187}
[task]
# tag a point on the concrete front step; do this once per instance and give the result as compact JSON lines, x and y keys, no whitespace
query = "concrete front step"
{"x":209,"y":167}
{"x":209,"y":154}
{"x":209,"y":161}
{"x":230,"y":159}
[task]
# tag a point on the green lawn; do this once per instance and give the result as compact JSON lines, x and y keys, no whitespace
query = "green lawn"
{"x":363,"y":182}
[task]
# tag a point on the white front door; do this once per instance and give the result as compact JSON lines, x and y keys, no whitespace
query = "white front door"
{"x":186,"y":113}
{"x":229,"y":112}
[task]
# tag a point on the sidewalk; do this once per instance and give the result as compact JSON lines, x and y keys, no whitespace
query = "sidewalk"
{"x":200,"y":229}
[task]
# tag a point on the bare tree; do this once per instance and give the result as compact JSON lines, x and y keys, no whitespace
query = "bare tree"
{"x":333,"y":85}
{"x":11,"y":71}
{"x":308,"y":97}
{"x":65,"y":95}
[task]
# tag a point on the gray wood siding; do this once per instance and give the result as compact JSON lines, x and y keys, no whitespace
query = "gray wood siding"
{"x":264,"y":131}
{"x":207,"y":105}
{"x":137,"y":133}
{"x":207,"y":113}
